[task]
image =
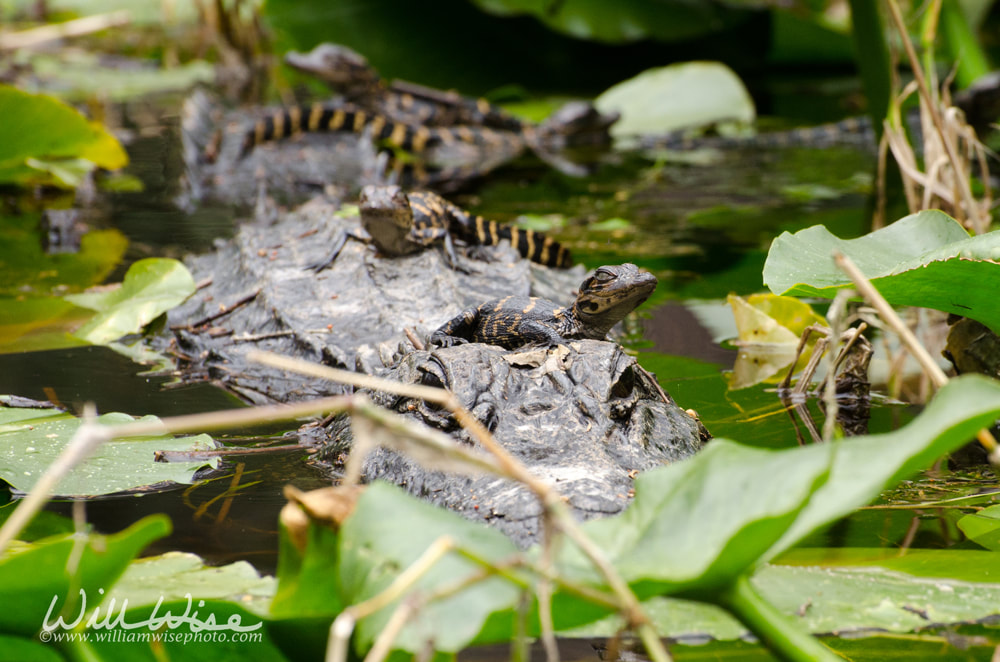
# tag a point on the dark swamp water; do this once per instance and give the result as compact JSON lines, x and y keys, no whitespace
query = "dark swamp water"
{"x":702,"y":229}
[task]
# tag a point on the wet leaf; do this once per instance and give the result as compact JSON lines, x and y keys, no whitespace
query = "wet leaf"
{"x":677,"y":96}
{"x":926,"y":259}
{"x":983,"y":527}
{"x":151,"y":287}
{"x":174,"y":575}
{"x":32,"y":574}
{"x":40,"y":127}
{"x":33,"y":439}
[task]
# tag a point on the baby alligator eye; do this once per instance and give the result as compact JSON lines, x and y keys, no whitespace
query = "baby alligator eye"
{"x":603,"y":275}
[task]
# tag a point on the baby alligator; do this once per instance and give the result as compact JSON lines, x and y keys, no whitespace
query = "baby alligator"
{"x":344,"y":117}
{"x":348,"y":73}
{"x":604,"y":300}
{"x":401,"y":224}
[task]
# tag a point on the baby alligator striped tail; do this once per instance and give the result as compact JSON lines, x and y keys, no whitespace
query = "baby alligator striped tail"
{"x":322,"y":117}
{"x":474,"y":229}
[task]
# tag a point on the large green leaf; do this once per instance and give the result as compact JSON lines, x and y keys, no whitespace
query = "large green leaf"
{"x":33,"y":438}
{"x":864,"y":466}
{"x":692,"y":525}
{"x":37,"y":126}
{"x":35,"y":575}
{"x":926,"y":259}
{"x":983,"y":527}
{"x":151,"y":287}
{"x":387,"y":532}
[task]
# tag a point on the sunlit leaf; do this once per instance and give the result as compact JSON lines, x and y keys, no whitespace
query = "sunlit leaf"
{"x":699,"y":505}
{"x":926,"y":259}
{"x":677,"y":96}
{"x":42,"y":128}
{"x":34,"y":438}
{"x":769,"y":328}
{"x":151,"y":287}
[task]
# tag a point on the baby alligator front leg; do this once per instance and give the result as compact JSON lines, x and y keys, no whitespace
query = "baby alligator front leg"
{"x":338,"y":245}
{"x":456,"y":331}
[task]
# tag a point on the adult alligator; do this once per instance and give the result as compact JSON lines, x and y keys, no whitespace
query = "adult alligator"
{"x":355,"y":313}
{"x":583,"y":416}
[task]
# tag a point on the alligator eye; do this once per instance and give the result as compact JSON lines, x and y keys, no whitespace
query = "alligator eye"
{"x":603,"y":276}
{"x":624,"y":385}
{"x":431,"y":379}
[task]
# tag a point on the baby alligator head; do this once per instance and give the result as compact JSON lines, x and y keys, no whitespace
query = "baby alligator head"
{"x":609,"y":295}
{"x":337,"y":66}
{"x":386,"y":216}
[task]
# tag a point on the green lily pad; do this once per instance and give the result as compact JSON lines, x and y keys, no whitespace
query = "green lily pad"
{"x":79,"y":75}
{"x":965,"y":565}
{"x":174,"y":575}
{"x":40,"y":127}
{"x":34,"y":438}
{"x":826,"y":600}
{"x":677,"y":96}
{"x":151,"y":287}
{"x":926,"y":259}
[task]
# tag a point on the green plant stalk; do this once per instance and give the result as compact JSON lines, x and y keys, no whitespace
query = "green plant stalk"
{"x":872,"y":56}
{"x":961,"y":45}
{"x":781,"y":636}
